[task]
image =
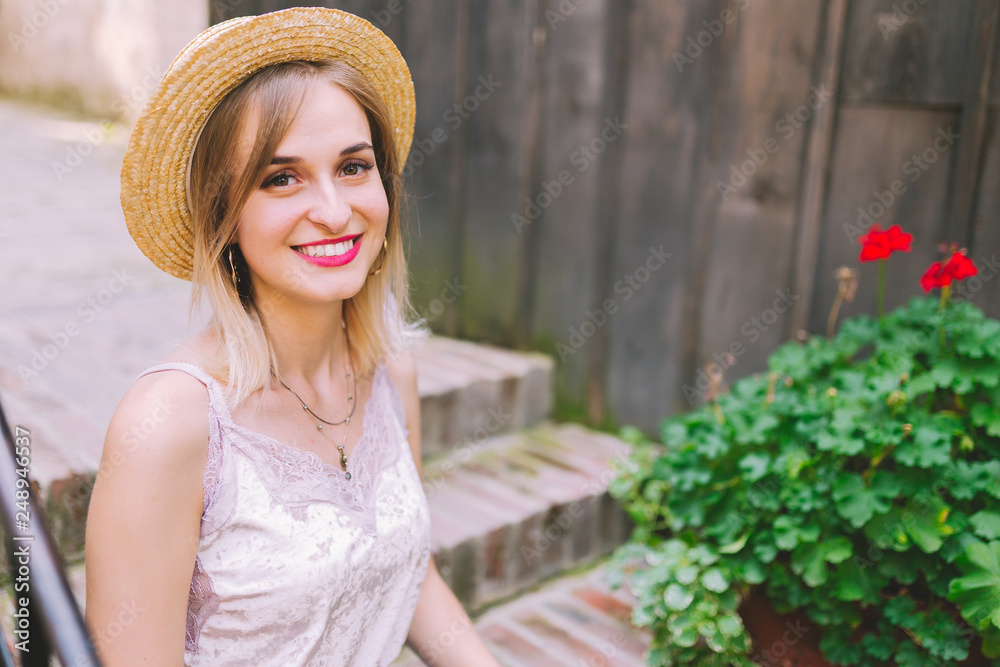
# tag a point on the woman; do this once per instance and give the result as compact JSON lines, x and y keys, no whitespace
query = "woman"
{"x":259,"y":499}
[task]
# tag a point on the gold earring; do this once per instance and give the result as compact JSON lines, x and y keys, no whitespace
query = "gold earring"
{"x":232,"y":269}
{"x":385,"y":250}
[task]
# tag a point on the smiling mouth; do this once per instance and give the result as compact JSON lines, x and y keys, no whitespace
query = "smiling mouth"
{"x":327,"y":249}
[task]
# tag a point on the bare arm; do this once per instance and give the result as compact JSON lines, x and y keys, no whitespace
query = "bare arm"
{"x":441,"y":632}
{"x":144,"y":521}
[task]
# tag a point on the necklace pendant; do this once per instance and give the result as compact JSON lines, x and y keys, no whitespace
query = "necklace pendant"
{"x":348,"y":475}
{"x":319,"y":427}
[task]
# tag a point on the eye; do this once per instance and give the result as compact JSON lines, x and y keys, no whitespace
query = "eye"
{"x":356,"y":167}
{"x":281,"y":179}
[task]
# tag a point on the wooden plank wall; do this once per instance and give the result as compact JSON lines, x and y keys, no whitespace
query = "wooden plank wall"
{"x":640,"y":187}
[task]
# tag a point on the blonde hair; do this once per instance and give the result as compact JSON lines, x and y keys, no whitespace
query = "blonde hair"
{"x":377,"y":317}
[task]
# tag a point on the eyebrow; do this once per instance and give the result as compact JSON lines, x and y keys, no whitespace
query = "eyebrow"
{"x":292,"y":159}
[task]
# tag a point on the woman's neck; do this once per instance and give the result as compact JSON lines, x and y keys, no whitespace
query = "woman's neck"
{"x":309,"y":340}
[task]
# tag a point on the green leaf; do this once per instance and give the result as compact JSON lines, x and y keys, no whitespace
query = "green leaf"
{"x":857,"y":503}
{"x":925,"y":524}
{"x":839,"y":443}
{"x":677,"y":597}
{"x":991,"y":643}
{"x":928,"y":446}
{"x":886,"y":531}
{"x":786,"y":533}
{"x":754,"y":466}
{"x":673,"y":432}
{"x":734,"y":547}
{"x":808,"y":560}
{"x":714,"y":580}
{"x":965,"y":479}
{"x":986,"y":524}
{"x":945,"y":372}
{"x":987,"y":415}
{"x":838,"y":549}
{"x":686,"y":574}
{"x":758,"y":429}
{"x":751,"y":571}
{"x":977,"y":593}
{"x":730,"y":625}
{"x":710,"y":445}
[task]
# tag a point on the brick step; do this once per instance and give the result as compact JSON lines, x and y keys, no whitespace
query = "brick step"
{"x":571,"y":621}
{"x":470,"y":391}
{"x":509,"y":512}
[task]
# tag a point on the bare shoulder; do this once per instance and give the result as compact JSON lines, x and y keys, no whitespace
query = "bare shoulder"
{"x":161,"y":421}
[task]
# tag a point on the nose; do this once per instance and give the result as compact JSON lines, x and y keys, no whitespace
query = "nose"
{"x":328,"y":207}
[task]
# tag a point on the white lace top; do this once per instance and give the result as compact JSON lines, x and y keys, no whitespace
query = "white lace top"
{"x":297,"y":565}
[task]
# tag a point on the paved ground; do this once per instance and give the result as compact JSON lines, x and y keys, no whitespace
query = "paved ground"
{"x":73,"y":284}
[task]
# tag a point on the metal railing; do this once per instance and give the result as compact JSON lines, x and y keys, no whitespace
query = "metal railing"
{"x":37,"y":569}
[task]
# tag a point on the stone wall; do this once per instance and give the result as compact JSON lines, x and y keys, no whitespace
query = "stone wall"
{"x":102,"y":58}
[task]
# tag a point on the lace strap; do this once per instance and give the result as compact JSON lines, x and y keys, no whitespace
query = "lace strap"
{"x":215,"y":394}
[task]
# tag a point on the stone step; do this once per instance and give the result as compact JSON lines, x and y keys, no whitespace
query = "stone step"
{"x":510,"y":511}
{"x":470,"y":391}
{"x":571,"y":621}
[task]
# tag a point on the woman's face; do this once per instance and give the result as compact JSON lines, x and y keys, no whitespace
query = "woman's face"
{"x":314,"y":226}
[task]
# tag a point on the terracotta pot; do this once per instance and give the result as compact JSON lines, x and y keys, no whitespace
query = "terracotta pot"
{"x":792,"y":640}
{"x":781,"y":640}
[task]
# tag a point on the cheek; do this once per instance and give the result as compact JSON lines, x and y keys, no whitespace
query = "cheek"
{"x":376,"y":206}
{"x":262,"y":223}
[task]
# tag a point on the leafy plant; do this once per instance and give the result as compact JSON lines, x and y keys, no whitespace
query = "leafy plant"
{"x":858,"y":480}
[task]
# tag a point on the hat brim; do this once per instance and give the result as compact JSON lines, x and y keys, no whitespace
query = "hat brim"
{"x":154,"y":173}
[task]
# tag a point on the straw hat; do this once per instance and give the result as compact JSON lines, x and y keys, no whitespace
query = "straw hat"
{"x":155,"y":170}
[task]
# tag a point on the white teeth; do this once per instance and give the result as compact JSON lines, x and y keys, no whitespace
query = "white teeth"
{"x":327,"y":250}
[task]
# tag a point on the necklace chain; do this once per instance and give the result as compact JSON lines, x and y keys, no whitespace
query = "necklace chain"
{"x":348,"y":374}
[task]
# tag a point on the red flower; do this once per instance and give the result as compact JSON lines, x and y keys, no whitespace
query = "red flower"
{"x":935,"y":276}
{"x":878,"y":244}
{"x":958,"y":267}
